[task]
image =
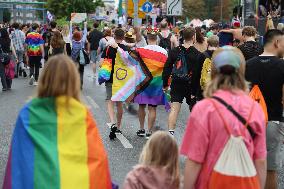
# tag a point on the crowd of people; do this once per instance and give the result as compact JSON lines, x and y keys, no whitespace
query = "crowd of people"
{"x":232,"y":139}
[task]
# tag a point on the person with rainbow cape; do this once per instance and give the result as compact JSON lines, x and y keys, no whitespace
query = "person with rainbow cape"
{"x":155,"y":58}
{"x":56,"y":143}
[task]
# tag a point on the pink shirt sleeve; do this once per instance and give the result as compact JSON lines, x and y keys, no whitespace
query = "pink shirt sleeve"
{"x":196,"y":138}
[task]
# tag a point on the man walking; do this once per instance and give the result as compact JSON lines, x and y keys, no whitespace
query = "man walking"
{"x":18,"y":39}
{"x":94,"y":39}
{"x":110,"y":53}
{"x":250,"y":48}
{"x":34,"y":53}
{"x":184,"y":57}
{"x":267,"y":71}
{"x":155,"y":58}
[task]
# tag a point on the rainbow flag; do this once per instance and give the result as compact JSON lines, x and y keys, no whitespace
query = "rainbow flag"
{"x":155,"y":58}
{"x":56,"y":146}
{"x":130,"y":76}
{"x":105,"y":71}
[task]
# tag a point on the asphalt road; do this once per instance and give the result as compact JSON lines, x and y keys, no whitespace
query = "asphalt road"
{"x":123,"y":153}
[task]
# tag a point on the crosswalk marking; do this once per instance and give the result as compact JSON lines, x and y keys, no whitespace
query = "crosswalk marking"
{"x":92,"y":102}
{"x":124,"y":141}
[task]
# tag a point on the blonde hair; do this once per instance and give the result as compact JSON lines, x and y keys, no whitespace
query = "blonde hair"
{"x":60,"y":77}
{"x":65,"y":30}
{"x":161,"y":150}
{"x":230,"y":82}
{"x":213,"y":41}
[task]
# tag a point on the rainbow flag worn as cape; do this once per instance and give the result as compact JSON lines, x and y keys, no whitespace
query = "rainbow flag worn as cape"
{"x":130,"y":76}
{"x":155,"y":58}
{"x":55,"y":146}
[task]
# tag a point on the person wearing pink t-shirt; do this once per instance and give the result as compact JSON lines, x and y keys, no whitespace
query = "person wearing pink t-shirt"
{"x":206,"y":136}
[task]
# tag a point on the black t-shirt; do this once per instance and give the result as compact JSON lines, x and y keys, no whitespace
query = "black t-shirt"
{"x":110,"y":53}
{"x":268,"y":73}
{"x":251,"y":49}
{"x":191,"y":55}
{"x":5,"y":45}
{"x":94,"y":39}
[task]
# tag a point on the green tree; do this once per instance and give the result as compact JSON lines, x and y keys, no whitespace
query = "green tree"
{"x":194,"y":9}
{"x":227,"y":11}
{"x":64,"y":8}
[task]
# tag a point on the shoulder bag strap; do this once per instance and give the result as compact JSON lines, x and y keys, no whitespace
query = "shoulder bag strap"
{"x":235,"y":113}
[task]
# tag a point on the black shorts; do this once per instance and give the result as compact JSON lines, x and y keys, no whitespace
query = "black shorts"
{"x":154,"y":106}
{"x":179,"y":91}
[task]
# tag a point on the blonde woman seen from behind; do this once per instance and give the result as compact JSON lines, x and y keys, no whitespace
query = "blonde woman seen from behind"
{"x":57,"y":126}
{"x":158,"y":165}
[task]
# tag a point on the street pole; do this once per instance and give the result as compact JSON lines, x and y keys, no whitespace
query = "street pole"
{"x":243,"y":12}
{"x":135,"y":3}
{"x":221,"y":16}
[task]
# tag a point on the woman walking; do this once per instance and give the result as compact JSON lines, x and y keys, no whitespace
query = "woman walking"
{"x":6,"y":47}
{"x":228,"y":115}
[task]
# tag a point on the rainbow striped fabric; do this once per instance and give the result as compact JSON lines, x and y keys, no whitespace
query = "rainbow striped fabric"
{"x":56,"y":146}
{"x":105,"y":71}
{"x":155,"y":58}
{"x":130,"y":76}
{"x":33,"y":41}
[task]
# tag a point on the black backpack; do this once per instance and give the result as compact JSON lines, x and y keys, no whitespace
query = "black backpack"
{"x":165,"y":42}
{"x":4,"y":57}
{"x":181,"y":69}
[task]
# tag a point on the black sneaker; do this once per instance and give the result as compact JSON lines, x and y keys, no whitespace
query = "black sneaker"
{"x":118,"y":132}
{"x":112,"y":135}
{"x":141,"y":132}
{"x":24,"y":74}
{"x":148,"y":134}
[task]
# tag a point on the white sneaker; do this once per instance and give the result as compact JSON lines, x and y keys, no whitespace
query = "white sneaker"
{"x":31,"y":82}
{"x":35,"y":83}
{"x":110,"y":125}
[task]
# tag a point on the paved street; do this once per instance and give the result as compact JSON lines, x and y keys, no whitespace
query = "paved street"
{"x":123,"y":152}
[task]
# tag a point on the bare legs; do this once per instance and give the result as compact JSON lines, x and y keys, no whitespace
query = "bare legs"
{"x":175,"y":109}
{"x":271,"y":180}
{"x":151,"y":116}
{"x":110,"y":108}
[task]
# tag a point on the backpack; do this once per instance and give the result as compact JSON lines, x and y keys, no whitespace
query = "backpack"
{"x":234,"y":168}
{"x":206,"y":71}
{"x":256,"y":95}
{"x":165,"y":42}
{"x":4,"y":57}
{"x":83,"y":57}
{"x":10,"y":70}
{"x":181,"y":68}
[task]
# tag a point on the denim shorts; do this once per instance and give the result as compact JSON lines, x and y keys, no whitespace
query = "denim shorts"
{"x":274,"y":140}
{"x":93,"y":56}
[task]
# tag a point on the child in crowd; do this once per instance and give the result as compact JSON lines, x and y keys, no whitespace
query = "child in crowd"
{"x":159,"y":164}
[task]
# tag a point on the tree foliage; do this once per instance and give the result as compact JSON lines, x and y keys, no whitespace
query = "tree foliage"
{"x":204,"y":9}
{"x":64,"y":8}
{"x":227,"y":10}
{"x":194,"y":9}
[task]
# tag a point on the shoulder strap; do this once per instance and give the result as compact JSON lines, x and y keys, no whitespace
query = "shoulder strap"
{"x":206,"y":54}
{"x":235,"y":113}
